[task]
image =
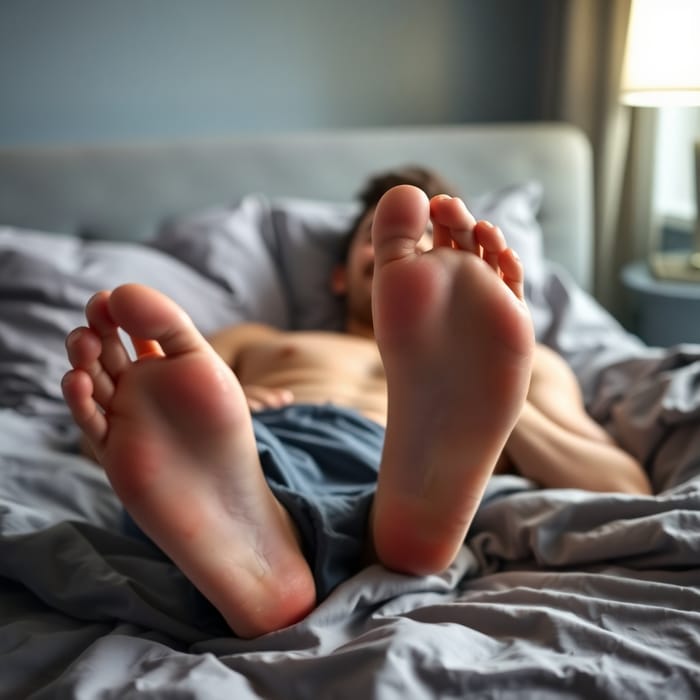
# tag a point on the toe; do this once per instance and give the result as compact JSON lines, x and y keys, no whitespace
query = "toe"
{"x":145,"y":313}
{"x":454,"y":222}
{"x":512,"y":270}
{"x":442,"y":236}
{"x":84,"y":349}
{"x":77,"y":387}
{"x":492,"y":242}
{"x":399,"y":222}
{"x":114,"y":357}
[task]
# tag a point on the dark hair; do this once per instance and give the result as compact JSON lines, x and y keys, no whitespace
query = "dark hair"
{"x":427,"y":180}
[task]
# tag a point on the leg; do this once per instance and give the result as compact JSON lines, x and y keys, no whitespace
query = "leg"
{"x":456,"y":340}
{"x":174,"y":435}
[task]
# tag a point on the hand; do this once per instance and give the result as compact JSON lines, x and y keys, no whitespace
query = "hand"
{"x":261,"y":397}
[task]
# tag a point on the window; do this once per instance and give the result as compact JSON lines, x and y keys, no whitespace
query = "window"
{"x":674,"y":191}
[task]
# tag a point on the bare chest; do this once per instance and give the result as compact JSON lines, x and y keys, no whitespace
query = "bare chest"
{"x":305,"y":354}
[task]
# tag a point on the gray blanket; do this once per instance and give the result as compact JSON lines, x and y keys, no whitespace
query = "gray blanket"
{"x":557,"y":593}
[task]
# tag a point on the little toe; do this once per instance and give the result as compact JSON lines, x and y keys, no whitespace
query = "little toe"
{"x":512,"y":271}
{"x":400,"y":220}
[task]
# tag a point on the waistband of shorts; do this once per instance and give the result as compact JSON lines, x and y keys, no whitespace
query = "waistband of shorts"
{"x":319,"y":411}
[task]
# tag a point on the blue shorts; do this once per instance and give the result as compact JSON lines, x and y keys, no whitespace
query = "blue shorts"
{"x":321,"y":462}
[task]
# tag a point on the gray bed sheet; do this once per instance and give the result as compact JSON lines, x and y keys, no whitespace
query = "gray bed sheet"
{"x":557,"y":593}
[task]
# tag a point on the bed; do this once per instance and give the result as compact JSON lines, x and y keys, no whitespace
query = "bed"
{"x":556,"y":593}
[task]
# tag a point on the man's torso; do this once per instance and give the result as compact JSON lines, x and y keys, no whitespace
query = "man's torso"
{"x":318,"y":367}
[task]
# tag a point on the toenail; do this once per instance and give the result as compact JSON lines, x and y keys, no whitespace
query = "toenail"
{"x":439,"y":198}
{"x":72,"y":337}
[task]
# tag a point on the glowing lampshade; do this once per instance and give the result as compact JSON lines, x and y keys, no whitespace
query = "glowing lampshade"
{"x":662,"y":57}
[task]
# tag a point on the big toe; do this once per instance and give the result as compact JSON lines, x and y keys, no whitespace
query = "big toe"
{"x":145,"y":313}
{"x":399,"y":222}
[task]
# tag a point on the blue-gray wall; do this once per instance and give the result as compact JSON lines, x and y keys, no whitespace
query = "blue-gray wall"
{"x":100,"y":70}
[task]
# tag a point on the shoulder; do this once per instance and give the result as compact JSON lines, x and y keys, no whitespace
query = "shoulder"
{"x":245,"y":330}
{"x":549,"y":364}
{"x":231,"y":341}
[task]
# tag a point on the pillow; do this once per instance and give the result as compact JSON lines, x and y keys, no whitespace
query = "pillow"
{"x":234,"y":248}
{"x":309,"y":238}
{"x":276,"y":256}
{"x":45,"y":281}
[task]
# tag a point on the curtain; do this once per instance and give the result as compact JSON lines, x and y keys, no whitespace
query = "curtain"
{"x":582,"y":55}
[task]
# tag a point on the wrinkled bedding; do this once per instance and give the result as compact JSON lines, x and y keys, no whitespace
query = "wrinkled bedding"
{"x":557,"y":593}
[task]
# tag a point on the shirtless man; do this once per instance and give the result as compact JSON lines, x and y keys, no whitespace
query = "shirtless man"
{"x":444,"y":363}
{"x":553,"y":436}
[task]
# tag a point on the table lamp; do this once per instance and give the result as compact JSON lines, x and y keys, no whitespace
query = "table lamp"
{"x":662,"y":68}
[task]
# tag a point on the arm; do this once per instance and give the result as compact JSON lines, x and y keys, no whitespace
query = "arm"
{"x":555,"y":457}
{"x":558,"y":445}
{"x":231,"y":343}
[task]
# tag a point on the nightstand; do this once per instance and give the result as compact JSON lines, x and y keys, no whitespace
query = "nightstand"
{"x":665,"y":313}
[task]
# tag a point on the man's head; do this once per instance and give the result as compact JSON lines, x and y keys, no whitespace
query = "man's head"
{"x":352,"y":276}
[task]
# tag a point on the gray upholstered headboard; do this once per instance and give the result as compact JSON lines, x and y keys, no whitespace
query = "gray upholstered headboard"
{"x":124,"y":191}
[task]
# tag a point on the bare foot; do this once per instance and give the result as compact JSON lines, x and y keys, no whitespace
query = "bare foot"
{"x":456,"y":340}
{"x":174,"y":435}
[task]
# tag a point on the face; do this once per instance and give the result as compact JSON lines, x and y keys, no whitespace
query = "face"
{"x":354,"y":279}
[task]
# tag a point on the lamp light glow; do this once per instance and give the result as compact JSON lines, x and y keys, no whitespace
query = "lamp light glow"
{"x":662,"y":57}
